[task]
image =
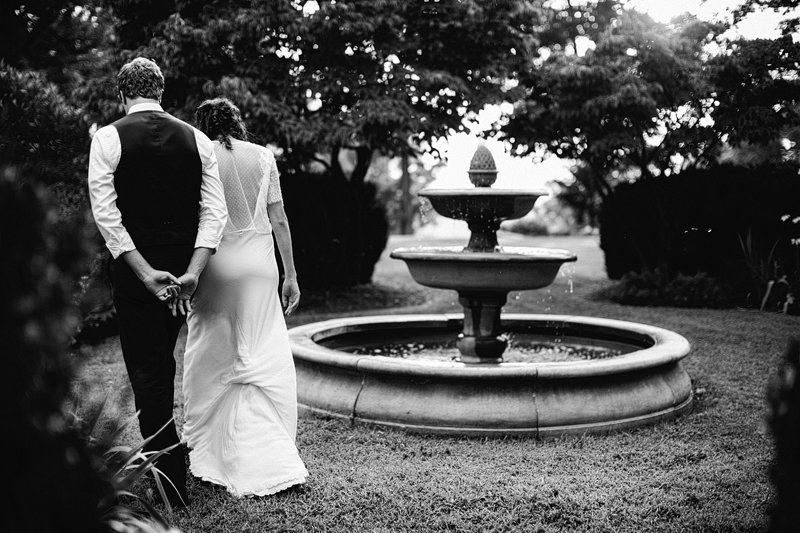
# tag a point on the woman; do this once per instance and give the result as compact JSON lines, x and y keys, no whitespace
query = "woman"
{"x":239,"y":379}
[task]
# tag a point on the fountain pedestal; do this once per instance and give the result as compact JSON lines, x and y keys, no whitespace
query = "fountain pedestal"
{"x":483,"y":236}
{"x":481,"y":339}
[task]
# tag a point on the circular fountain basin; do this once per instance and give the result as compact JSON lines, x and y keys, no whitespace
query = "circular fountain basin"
{"x":643,"y":382}
{"x":512,"y":269}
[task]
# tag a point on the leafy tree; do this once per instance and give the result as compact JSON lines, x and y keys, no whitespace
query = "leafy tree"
{"x":52,"y":56}
{"x":328,"y":81}
{"x":633,"y":102}
{"x":563,"y":25}
{"x":756,"y":90}
{"x":68,"y":42}
{"x":41,"y":129}
{"x":354,"y":74}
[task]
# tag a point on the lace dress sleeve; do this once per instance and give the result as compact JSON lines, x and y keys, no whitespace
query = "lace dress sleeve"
{"x":274,"y":189}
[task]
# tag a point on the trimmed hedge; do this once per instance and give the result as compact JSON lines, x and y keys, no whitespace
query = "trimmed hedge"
{"x":734,"y":224}
{"x":339,"y":229}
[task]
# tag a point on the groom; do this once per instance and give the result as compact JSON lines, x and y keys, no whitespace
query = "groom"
{"x":159,"y":204}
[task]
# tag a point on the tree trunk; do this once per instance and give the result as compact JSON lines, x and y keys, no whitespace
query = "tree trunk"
{"x":406,"y":216}
{"x":363,"y":161}
{"x":336,"y":167}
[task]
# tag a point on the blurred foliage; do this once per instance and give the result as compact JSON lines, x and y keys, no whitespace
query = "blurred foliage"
{"x":53,"y":476}
{"x":565,"y":23}
{"x":42,"y":130}
{"x":64,"y":473}
{"x":756,"y":90}
{"x":390,"y":191}
{"x":551,"y":216}
{"x":633,"y":102}
{"x":54,"y":58}
{"x":657,"y":288}
{"x":582,"y":195}
{"x":784,"y":423}
{"x":697,"y":221}
{"x":69,"y":44}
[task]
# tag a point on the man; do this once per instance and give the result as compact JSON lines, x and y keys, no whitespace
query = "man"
{"x":159,"y":204}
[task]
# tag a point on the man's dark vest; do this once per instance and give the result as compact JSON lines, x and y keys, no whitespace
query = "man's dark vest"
{"x":158,"y":179}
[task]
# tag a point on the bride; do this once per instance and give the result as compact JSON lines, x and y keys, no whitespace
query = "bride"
{"x":239,"y":379}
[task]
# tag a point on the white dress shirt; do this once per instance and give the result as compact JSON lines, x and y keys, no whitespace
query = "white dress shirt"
{"x":103,"y":160}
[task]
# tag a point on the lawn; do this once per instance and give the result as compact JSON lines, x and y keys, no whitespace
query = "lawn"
{"x":706,"y":471}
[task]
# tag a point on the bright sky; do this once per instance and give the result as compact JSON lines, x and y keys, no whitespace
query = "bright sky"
{"x":524,"y":173}
{"x":762,"y":24}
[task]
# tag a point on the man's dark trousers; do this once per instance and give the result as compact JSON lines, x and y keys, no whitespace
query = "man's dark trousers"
{"x":148,"y":333}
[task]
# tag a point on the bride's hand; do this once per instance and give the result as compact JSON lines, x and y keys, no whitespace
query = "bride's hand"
{"x":182,"y":303}
{"x":290,"y":295}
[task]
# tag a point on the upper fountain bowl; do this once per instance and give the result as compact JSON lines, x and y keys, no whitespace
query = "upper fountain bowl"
{"x":482,"y":203}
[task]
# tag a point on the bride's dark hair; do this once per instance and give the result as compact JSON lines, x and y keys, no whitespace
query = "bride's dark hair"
{"x":221,"y":120}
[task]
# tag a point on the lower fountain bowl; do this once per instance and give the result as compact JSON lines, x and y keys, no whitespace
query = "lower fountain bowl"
{"x":512,"y":269}
{"x":645,"y":383}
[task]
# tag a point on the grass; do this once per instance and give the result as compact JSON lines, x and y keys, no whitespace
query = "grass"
{"x":707,"y":471}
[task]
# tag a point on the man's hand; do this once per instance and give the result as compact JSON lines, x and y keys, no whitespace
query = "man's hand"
{"x":183,"y":302}
{"x":162,"y":285}
{"x":290,"y":295}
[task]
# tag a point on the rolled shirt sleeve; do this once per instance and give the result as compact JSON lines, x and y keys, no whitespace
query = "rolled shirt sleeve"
{"x":104,"y":157}
{"x":213,"y":210}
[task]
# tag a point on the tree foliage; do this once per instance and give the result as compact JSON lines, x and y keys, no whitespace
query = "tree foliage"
{"x":41,"y":128}
{"x":654,"y":98}
{"x":634,"y":101}
{"x":330,"y":81}
{"x":354,"y":74}
{"x":53,"y":58}
{"x":756,"y":89}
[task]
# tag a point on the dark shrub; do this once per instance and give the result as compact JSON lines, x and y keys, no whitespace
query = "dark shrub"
{"x":52,"y":477}
{"x":339,"y":230}
{"x":654,"y":287}
{"x":700,"y":221}
{"x":784,"y":421}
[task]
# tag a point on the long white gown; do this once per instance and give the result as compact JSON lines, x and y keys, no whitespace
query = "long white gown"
{"x":239,"y":385}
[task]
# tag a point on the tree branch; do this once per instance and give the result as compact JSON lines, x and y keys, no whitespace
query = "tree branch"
{"x":324,"y":163}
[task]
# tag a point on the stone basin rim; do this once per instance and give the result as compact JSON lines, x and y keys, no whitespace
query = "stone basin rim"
{"x":513,"y":254}
{"x":667,"y":348}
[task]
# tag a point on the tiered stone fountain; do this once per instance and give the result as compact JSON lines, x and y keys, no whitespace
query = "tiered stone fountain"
{"x":401,"y":371}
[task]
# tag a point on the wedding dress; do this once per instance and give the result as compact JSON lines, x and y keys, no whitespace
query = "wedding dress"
{"x":239,"y":383}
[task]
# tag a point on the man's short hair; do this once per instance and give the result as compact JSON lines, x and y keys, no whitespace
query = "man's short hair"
{"x":141,"y":78}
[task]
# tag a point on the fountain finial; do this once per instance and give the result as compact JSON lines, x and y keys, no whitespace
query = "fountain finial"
{"x":482,"y":169}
